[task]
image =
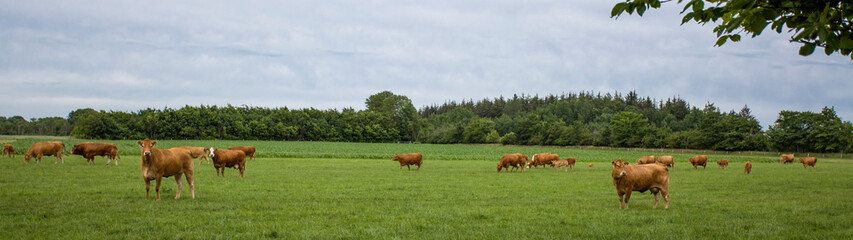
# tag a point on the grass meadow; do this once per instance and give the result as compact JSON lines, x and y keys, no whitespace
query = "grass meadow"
{"x":314,"y":190}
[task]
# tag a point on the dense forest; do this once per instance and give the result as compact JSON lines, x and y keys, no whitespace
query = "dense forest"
{"x":570,"y":119}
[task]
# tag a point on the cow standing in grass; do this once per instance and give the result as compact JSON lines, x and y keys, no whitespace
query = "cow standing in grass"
{"x":409,"y":159}
{"x":40,"y":149}
{"x":808,"y":161}
{"x":723,"y":163}
{"x":669,"y":161}
{"x":199,"y":153}
{"x":646,"y":160}
{"x":542,"y":159}
{"x":223,"y":158}
{"x":89,"y":150}
{"x":786,"y":159}
{"x":159,"y":163}
{"x":700,"y":160}
{"x":515,"y":160}
{"x":747,"y":167}
{"x":8,"y":150}
{"x":248,"y":150}
{"x":641,"y":178}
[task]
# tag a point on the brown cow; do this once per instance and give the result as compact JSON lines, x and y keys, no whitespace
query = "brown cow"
{"x":628,"y":178}
{"x":543,"y":159}
{"x":572,"y":162}
{"x":199,"y":153}
{"x":248,"y":150}
{"x":222,"y":159}
{"x":8,"y":150}
{"x":669,"y":161}
{"x":159,"y":163}
{"x":748,"y":167}
{"x":40,"y":149}
{"x":786,"y":158}
{"x":723,"y":163}
{"x":560,"y":164}
{"x":515,"y":160}
{"x":89,"y":150}
{"x":409,"y":159}
{"x":646,"y":160}
{"x":808,"y":161}
{"x":591,"y":165}
{"x":700,"y":160}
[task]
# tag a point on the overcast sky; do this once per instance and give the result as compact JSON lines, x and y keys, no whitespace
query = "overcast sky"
{"x":58,"y":56}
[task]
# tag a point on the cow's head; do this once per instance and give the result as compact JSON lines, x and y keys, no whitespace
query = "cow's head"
{"x":395,"y":158}
{"x":210,"y":151}
{"x":146,"y":146}
{"x":74,"y":149}
{"x":618,"y":169}
{"x":27,"y":157}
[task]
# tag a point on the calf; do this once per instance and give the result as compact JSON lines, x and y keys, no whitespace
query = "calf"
{"x":248,"y":150}
{"x":409,"y":159}
{"x":40,"y":149}
{"x":515,"y":160}
{"x":700,"y":160}
{"x":560,"y":164}
{"x":748,"y":167}
{"x":89,"y":150}
{"x":808,"y":161}
{"x":159,"y":163}
{"x":8,"y":150}
{"x":723,"y":163}
{"x":651,"y":177}
{"x":786,"y":159}
{"x":222,"y":159}
{"x":199,"y":153}
{"x":572,"y":162}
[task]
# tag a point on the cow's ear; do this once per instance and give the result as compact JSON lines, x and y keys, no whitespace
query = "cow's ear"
{"x":139,"y":143}
{"x":153,"y":143}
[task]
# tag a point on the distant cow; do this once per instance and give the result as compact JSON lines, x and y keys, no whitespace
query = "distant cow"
{"x":572,"y":162}
{"x":700,"y":160}
{"x":808,"y":161}
{"x":248,"y":150}
{"x":199,"y":153}
{"x":668,"y":161}
{"x":159,"y":163}
{"x":8,"y":150}
{"x":590,"y":165}
{"x":515,"y":160}
{"x":646,"y":160}
{"x":89,"y":150}
{"x":560,"y":164}
{"x":222,"y":159}
{"x":748,"y":167}
{"x":40,"y":149}
{"x":723,"y":163}
{"x":409,"y":159}
{"x":542,"y":159}
{"x":786,"y":158}
{"x":629,"y":178}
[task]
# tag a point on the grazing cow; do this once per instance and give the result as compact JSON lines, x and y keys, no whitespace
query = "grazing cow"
{"x":572,"y":162}
{"x":8,"y":150}
{"x":646,"y":160}
{"x":591,"y":165}
{"x":808,"y":161}
{"x":669,"y":161}
{"x":786,"y":158}
{"x":248,"y":150}
{"x":159,"y":163}
{"x":89,"y":150}
{"x":40,"y":149}
{"x":652,"y":177}
{"x":543,"y":159}
{"x":515,"y":160}
{"x":199,"y":153}
{"x":222,"y":159}
{"x":560,"y":164}
{"x":409,"y":159}
{"x":700,"y":160}
{"x":748,"y":167}
{"x":723,"y":163}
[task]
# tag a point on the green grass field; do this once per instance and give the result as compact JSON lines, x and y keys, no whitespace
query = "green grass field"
{"x":305,"y":190}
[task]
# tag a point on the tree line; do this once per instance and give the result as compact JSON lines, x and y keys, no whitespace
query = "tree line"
{"x":570,"y":119}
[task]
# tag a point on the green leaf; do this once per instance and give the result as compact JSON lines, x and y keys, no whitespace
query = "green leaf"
{"x":618,"y":9}
{"x":721,"y":40}
{"x":698,"y":6}
{"x":687,"y":18}
{"x":641,"y":9}
{"x":807,"y":49}
{"x":735,"y":38}
{"x":757,"y":26}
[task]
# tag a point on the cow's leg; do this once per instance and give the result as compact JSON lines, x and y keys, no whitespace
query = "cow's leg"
{"x":665,"y":192}
{"x":657,"y":195}
{"x":147,"y":187}
{"x":190,"y":182}
{"x":627,"y":196}
{"x":419,"y":166}
{"x":180,"y":183}
{"x":621,"y":199}
{"x":157,"y":187}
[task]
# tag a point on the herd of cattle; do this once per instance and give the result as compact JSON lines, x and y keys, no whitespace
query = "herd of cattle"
{"x":649,"y":174}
